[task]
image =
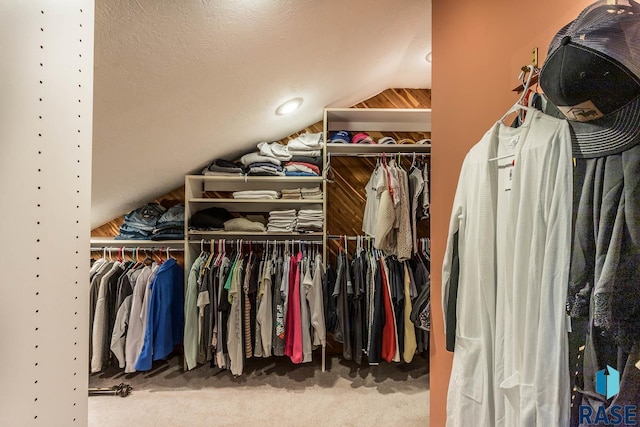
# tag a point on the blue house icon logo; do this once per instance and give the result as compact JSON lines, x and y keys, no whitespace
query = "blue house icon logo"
{"x":608,"y":382}
{"x":608,"y":385}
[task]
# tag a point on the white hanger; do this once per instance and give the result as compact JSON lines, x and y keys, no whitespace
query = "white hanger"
{"x":518,"y":106}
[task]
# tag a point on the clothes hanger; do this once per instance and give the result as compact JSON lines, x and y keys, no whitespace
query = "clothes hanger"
{"x":327,"y":170}
{"x":518,"y":106}
{"x":413,"y":162}
{"x":346,"y":245}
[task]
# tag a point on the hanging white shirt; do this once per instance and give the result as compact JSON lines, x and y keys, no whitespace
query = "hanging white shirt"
{"x":512,"y":224}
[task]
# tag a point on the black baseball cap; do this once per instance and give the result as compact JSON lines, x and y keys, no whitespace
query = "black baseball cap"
{"x":592,"y":76}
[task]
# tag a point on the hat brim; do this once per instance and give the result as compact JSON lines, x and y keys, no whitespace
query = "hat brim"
{"x":611,"y":134}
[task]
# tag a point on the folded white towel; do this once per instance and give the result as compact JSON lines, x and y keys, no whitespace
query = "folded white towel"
{"x":255,"y":197}
{"x":273,"y":194}
{"x":271,"y":229}
{"x":282,"y":220}
{"x":283,"y":212}
{"x":310,"y":211}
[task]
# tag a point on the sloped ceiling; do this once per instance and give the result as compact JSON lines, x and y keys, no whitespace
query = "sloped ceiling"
{"x":181,"y":82}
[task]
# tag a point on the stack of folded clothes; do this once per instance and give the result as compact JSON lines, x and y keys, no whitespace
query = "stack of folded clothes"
{"x":256,"y":194}
{"x":301,"y":169}
{"x":274,"y":150}
{"x":140,"y":223}
{"x":260,"y":165}
{"x":311,"y":193}
{"x":224,"y":168}
{"x":209,"y":219}
{"x":282,"y":221}
{"x":243,"y":224}
{"x":309,"y":220}
{"x":170,"y":225}
{"x":291,"y":194}
{"x":306,"y":144}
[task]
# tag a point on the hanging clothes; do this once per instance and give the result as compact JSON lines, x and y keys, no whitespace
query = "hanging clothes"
{"x":164,"y":328}
{"x":390,"y":215}
{"x":505,"y":268}
{"x":293,"y":331}
{"x":135,"y":331}
{"x":234,"y":337}
{"x":376,"y":321}
{"x":316,"y":303}
{"x":264,"y":317}
{"x":191,"y":313}
{"x":342,"y":291}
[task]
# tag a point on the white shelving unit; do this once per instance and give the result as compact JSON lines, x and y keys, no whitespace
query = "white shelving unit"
{"x":203,"y":191}
{"x":196,"y":199}
{"x":383,"y":120}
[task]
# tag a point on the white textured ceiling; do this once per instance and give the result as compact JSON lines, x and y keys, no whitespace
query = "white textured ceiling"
{"x":181,"y":82}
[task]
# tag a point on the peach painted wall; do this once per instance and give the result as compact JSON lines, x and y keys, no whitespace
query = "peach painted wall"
{"x":478,"y":49}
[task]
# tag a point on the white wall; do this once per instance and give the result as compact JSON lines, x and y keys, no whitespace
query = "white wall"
{"x":46,"y":98}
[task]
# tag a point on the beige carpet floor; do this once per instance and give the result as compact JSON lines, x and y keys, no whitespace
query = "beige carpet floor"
{"x":271,"y":392}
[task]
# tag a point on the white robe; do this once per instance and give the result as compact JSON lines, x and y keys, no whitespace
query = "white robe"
{"x":510,"y":365}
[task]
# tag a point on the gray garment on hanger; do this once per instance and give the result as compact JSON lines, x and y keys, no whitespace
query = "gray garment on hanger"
{"x":605,"y":267}
{"x":416,"y":186}
{"x":278,"y":309}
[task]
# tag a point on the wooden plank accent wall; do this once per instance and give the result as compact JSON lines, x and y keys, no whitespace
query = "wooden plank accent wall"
{"x":346,"y":201}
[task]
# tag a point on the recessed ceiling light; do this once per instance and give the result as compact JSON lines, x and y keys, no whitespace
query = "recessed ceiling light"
{"x":428,"y":57}
{"x":289,"y":106}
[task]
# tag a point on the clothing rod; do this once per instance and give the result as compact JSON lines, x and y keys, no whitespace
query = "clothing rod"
{"x":390,"y":155}
{"x":338,"y":237}
{"x":235,"y":241}
{"x":138,"y":248}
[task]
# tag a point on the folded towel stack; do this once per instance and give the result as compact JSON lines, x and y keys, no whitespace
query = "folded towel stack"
{"x":291,"y":194}
{"x":282,"y":221}
{"x":256,"y":194}
{"x":311,"y":193}
{"x":309,"y":220}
